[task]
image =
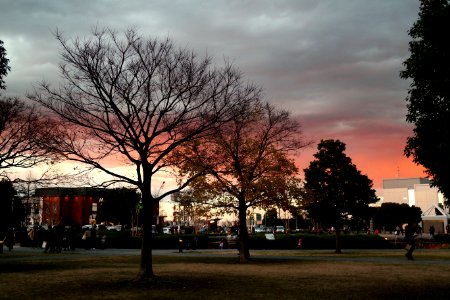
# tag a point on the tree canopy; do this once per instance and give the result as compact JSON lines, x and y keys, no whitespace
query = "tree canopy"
{"x":191,"y":208}
{"x":246,"y":163}
{"x":4,"y":67}
{"x":391,"y":215}
{"x":429,"y":95}
{"x":335,"y":189}
{"x":135,"y":100}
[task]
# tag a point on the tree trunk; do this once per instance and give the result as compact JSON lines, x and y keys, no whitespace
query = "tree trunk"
{"x":146,"y":265}
{"x":244,"y":252}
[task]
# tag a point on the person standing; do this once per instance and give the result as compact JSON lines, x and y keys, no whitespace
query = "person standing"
{"x":432,"y":231}
{"x":101,"y":236}
{"x":30,"y":234}
{"x":87,"y":238}
{"x":93,"y":236}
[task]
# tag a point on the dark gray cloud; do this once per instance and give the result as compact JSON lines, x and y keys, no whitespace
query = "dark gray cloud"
{"x":333,"y":64}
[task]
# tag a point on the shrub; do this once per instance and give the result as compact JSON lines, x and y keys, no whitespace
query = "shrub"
{"x":124,"y":240}
{"x":319,"y":241}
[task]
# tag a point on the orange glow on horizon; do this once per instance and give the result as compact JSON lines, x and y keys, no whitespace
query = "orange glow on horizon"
{"x":375,"y":167}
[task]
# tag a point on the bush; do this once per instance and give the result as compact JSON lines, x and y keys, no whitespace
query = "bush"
{"x":442,"y":238}
{"x":167,"y":241}
{"x":124,"y":240}
{"x":319,"y":241}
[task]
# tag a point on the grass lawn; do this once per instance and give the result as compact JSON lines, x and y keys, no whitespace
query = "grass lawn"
{"x":311,"y":274}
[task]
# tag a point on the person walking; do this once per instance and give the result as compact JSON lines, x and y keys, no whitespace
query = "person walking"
{"x":50,"y":245}
{"x":10,"y":239}
{"x":410,"y":235}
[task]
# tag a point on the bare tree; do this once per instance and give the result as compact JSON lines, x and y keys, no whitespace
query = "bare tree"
{"x":136,"y":100}
{"x":22,"y":129}
{"x":247,"y":163}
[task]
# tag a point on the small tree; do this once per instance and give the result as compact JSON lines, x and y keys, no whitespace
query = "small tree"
{"x":335,"y":188}
{"x":136,"y":100}
{"x":4,"y":67}
{"x":429,"y":95}
{"x":246,"y":163}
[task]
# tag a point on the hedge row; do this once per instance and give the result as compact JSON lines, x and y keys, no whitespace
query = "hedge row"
{"x":257,"y":241}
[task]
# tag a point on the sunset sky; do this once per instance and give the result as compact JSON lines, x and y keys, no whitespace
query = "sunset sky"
{"x":333,"y":64}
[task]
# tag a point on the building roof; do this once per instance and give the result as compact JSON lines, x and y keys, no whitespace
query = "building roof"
{"x":64,"y":191}
{"x":408,"y":183}
{"x":435,"y":211}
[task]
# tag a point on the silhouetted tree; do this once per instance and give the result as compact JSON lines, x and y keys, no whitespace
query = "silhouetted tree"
{"x":391,"y":215}
{"x":271,"y":217}
{"x":4,"y":67}
{"x":22,"y":130}
{"x":335,"y":188}
{"x":429,"y":95}
{"x":136,"y":100}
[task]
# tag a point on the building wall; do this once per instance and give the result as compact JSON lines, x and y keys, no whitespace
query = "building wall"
{"x":396,"y":195}
{"x":439,"y":226}
{"x":33,"y":207}
{"x":412,"y":191}
{"x":425,"y":196}
{"x":51,"y":210}
{"x":69,"y":205}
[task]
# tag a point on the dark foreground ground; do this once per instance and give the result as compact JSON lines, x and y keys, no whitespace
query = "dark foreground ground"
{"x":27,"y":273}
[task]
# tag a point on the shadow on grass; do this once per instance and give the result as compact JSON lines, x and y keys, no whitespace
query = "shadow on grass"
{"x":221,"y":277}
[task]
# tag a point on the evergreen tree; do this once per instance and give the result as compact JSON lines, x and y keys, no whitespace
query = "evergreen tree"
{"x":335,"y":189}
{"x":429,"y":95}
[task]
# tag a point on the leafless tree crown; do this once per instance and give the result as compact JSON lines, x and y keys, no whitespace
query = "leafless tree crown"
{"x":136,"y":97}
{"x":21,"y":130}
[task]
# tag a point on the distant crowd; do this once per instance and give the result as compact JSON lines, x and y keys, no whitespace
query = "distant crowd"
{"x":55,"y":239}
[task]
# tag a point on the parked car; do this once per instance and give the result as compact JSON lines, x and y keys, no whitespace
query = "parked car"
{"x":167,"y":230}
{"x":279,"y":229}
{"x":114,"y":227}
{"x":260,"y":229}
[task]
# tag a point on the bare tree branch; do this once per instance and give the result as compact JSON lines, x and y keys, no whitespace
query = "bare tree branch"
{"x":22,"y":129}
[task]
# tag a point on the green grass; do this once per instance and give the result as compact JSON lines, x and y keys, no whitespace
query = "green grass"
{"x":279,"y":274}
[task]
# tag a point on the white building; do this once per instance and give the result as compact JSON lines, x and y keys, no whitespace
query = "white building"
{"x":420,"y":193}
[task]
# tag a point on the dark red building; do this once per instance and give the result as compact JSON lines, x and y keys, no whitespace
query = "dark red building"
{"x":70,"y":205}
